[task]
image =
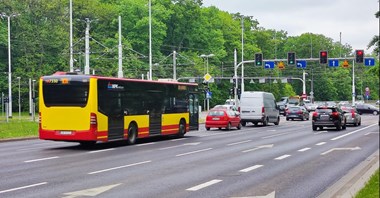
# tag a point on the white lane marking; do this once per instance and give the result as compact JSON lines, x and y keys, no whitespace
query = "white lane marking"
{"x":98,"y":151}
{"x":274,"y":135}
{"x":185,"y":144}
{"x":282,"y":157}
{"x":337,"y":138}
{"x":91,"y":192}
{"x":320,"y":143}
{"x":204,"y":185}
{"x":242,"y":142}
{"x":371,"y":133}
{"x":251,"y":168}
{"x":119,"y":167}
{"x":179,"y":139}
{"x":145,"y":144}
{"x":320,"y":132}
{"x":192,"y":152}
{"x":341,"y":149}
{"x":304,"y":149}
{"x":41,"y":159}
{"x":23,"y":187}
{"x":259,"y":147}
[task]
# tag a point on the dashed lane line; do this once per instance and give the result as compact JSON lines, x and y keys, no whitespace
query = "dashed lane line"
{"x":23,"y":187}
{"x":251,"y":168}
{"x":204,"y":185}
{"x":41,"y":159}
{"x":119,"y":167}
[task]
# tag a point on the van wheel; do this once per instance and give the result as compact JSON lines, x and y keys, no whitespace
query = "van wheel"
{"x":243,"y":123}
{"x":265,"y":123}
{"x":132,"y":134}
{"x":278,"y":121}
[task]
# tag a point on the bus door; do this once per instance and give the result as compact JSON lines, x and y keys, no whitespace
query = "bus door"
{"x":115,"y":116}
{"x":194,"y":111}
{"x":155,"y":119}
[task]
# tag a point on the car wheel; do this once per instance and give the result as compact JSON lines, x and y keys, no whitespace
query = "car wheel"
{"x":344,"y":125}
{"x":239,"y":126}
{"x":321,"y":128}
{"x":220,"y":128}
{"x":339,"y":126}
{"x":375,"y":112}
{"x":314,"y":128}
{"x":287,"y":119}
{"x":228,"y":126}
{"x":207,"y":128}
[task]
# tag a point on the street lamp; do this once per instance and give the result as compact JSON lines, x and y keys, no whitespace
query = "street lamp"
{"x":206,"y":57}
{"x":19,"y":99}
{"x":34,"y":101}
{"x":2,"y":15}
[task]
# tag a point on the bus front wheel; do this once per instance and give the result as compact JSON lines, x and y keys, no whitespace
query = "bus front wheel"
{"x":182,"y":129}
{"x":132,"y":134}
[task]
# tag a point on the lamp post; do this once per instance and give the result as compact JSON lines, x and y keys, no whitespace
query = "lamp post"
{"x":19,"y":99}
{"x":2,"y":15}
{"x":34,"y":101}
{"x":206,"y":57}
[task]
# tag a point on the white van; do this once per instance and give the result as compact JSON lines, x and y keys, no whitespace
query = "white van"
{"x":258,"y":106}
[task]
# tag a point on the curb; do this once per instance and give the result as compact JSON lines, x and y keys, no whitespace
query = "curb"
{"x":350,"y":184}
{"x":18,"y":139}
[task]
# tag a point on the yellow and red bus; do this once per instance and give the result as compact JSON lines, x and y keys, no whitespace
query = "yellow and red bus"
{"x":89,"y":109}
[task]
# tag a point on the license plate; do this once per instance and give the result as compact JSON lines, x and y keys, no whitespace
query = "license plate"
{"x":215,"y":118}
{"x":65,"y":132}
{"x":325,"y":117}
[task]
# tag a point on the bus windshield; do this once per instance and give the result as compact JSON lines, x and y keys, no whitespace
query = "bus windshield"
{"x":65,"y":91}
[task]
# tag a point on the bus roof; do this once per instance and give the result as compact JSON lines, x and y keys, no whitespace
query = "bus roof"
{"x":79,"y":75}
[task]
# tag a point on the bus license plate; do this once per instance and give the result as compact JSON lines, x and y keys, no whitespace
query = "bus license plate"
{"x":65,"y":132}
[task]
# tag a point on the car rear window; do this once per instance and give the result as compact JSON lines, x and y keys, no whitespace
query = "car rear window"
{"x":294,"y":108}
{"x":324,"y":110}
{"x":216,"y":113}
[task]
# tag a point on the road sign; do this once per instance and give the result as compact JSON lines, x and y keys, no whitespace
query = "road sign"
{"x":269,"y":65}
{"x":207,"y":77}
{"x":208,"y":94}
{"x":301,"y":64}
{"x":333,"y":63}
{"x":345,"y":64}
{"x":369,"y":61}
{"x":281,"y":65}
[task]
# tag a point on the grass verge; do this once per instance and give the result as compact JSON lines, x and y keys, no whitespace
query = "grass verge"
{"x":371,"y":189}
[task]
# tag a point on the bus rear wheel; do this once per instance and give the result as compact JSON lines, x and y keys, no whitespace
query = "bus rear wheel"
{"x":132,"y":134}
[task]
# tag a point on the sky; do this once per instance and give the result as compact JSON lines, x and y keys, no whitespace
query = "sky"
{"x":351,"y":21}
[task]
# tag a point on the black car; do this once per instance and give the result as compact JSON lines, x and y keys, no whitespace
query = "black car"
{"x":297,"y":112}
{"x":328,"y":116}
{"x":367,"y":108}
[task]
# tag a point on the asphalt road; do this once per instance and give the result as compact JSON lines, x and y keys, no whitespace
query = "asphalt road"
{"x":289,"y":160}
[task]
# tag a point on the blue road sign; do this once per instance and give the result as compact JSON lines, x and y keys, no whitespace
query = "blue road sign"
{"x":333,"y":63}
{"x":369,"y":61}
{"x":301,"y":64}
{"x":269,"y":65}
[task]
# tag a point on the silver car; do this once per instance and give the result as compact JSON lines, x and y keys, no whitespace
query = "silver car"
{"x":352,"y":116}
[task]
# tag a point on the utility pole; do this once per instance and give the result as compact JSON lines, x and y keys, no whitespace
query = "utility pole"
{"x":120,"y":72}
{"x":87,"y":47}
{"x":150,"y":39}
{"x":71,"y":37}
{"x":9,"y":62}
{"x":174,"y":66}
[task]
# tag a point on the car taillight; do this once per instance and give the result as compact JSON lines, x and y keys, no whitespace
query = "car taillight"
{"x":93,"y":121}
{"x":263,"y":110}
{"x":335,"y":114}
{"x":299,"y":112}
{"x":353,"y":114}
{"x":315,"y":114}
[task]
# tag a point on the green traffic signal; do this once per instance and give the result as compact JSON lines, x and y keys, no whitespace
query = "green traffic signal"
{"x":291,"y":58}
{"x":258,"y":59}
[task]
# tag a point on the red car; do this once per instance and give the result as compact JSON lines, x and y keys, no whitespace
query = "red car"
{"x":222,"y":118}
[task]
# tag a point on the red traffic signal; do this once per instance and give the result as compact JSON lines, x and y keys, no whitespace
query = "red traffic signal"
{"x":359,"y":56}
{"x":323,"y":56}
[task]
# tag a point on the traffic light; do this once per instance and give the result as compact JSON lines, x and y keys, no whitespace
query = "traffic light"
{"x":359,"y":56}
{"x":291,"y":58}
{"x":258,"y":59}
{"x":323,"y":56}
